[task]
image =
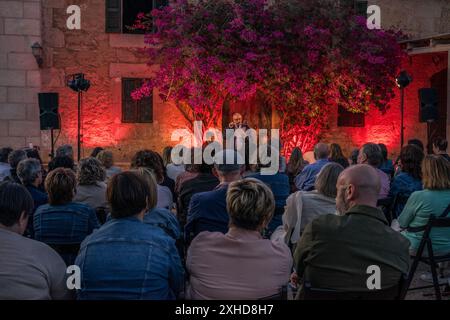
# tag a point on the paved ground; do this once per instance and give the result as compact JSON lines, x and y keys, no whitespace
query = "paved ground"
{"x":424,"y":294}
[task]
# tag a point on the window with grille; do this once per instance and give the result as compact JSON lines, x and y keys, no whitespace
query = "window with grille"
{"x":121,"y":14}
{"x":135,"y":111}
{"x":350,"y":119}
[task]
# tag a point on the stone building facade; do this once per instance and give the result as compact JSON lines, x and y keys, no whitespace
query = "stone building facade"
{"x":108,"y":58}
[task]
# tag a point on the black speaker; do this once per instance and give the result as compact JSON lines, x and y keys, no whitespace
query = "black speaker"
{"x":429,"y":101}
{"x":48,"y":110}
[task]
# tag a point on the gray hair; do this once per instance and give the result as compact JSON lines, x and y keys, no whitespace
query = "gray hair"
{"x":65,"y":150}
{"x":15,"y":157}
{"x":327,"y":178}
{"x":28,"y":170}
{"x":373,"y":154}
{"x":321,"y":151}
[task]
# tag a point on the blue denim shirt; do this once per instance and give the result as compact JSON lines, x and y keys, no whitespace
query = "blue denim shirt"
{"x":64,"y":224}
{"x":131,"y":260}
{"x":306,"y":179}
{"x":404,"y":184}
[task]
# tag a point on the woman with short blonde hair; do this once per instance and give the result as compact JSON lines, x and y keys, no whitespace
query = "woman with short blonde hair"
{"x":433,"y":200}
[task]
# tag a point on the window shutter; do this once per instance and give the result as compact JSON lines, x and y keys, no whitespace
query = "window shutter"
{"x":158,"y":4}
{"x":350,"y":119}
{"x":135,"y":111}
{"x":113,"y":16}
{"x":361,"y":8}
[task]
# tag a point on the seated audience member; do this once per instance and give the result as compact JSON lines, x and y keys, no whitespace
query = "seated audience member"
{"x":417,"y":143}
{"x":208,"y":210}
{"x":306,"y":179}
{"x":370,"y":154}
{"x":96,"y":151}
{"x":303,"y":207}
{"x":127,"y":258}
{"x":440,"y":148}
{"x":386,"y":164}
{"x":204,"y":181}
{"x":163,"y":193}
{"x":150,"y":160}
{"x":29,"y":270}
{"x":29,"y":172}
{"x":279,"y":185}
{"x":62,"y":221}
{"x":61,"y":162}
{"x":13,"y":159}
{"x":337,"y":156}
{"x":5,"y":168}
{"x":240,"y":264}
{"x":173,"y":170}
{"x":335,"y":250}
{"x":354,"y":157}
{"x":66,"y":150}
{"x":91,"y":188}
{"x":295,"y":166}
{"x":106,"y":158}
{"x":433,"y":200}
{"x":409,"y":178}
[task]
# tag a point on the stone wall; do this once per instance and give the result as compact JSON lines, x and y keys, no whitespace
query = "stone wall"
{"x":20,"y":27}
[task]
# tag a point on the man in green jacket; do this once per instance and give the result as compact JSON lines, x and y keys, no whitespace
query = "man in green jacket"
{"x":340,"y":251}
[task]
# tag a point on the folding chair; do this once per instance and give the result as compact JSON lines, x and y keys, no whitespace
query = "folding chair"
{"x":430,"y":259}
{"x":386,"y":205}
{"x":396,"y":292}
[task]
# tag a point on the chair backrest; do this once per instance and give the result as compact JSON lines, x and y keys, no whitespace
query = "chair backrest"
{"x":396,"y":292}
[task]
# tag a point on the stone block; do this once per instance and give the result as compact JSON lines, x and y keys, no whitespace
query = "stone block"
{"x":24,"y":128}
{"x":12,"y":78}
{"x":3,"y":60}
{"x":3,"y":94}
{"x":13,"y":142}
{"x":22,"y":61}
{"x":3,"y":128}
{"x":12,"y":43}
{"x":23,"y":27}
{"x":118,"y":40}
{"x":32,"y":10}
{"x":53,"y":3}
{"x":13,"y":111}
{"x":33,"y":112}
{"x":33,"y":78}
{"x":129,"y":70}
{"x":11,"y":9}
{"x":22,"y":95}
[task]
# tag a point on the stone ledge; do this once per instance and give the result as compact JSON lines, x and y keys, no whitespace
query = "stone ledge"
{"x":119,"y":40}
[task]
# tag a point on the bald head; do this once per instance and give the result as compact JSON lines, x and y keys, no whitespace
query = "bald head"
{"x":357,"y":185}
{"x":321,"y":151}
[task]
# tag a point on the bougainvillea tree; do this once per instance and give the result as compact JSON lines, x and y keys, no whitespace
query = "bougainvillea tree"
{"x":306,"y":57}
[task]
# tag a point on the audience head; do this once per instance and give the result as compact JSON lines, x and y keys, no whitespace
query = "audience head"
{"x":4,"y":153}
{"x":151,"y":160}
{"x":61,"y":162}
{"x":321,"y":151}
{"x":411,"y":159}
{"x":227,"y":165}
{"x":29,"y":172}
{"x":327,"y":178}
{"x":417,"y":143}
{"x":370,"y":153}
{"x":296,"y":161}
{"x":90,"y":172}
{"x":106,"y":158}
{"x":436,"y":173}
{"x":167,"y":156}
{"x":354,"y":157}
{"x":439,"y":145}
{"x":15,"y":157}
{"x":384,"y":151}
{"x":16,"y":204}
{"x":250,"y":204}
{"x":129,"y":194}
{"x":60,"y":185}
{"x":65,"y":150}
{"x":33,"y":153}
{"x":357,"y":185}
{"x":96,"y":151}
{"x":148,"y":175}
{"x":336,"y":152}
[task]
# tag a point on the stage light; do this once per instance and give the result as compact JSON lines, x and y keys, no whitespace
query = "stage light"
{"x":78,"y":83}
{"x":403,"y":79}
